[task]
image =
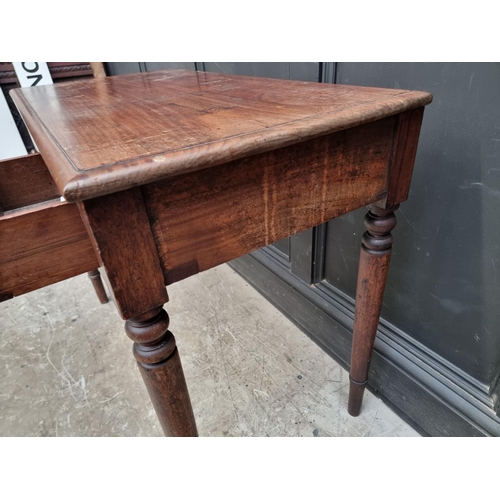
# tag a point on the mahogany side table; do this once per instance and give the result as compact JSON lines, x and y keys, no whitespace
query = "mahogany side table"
{"x":170,"y":173}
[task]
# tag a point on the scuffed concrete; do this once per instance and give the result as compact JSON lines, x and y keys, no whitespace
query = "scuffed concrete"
{"x":66,"y":367}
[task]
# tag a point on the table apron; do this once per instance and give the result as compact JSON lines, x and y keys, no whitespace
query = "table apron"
{"x":205,"y":218}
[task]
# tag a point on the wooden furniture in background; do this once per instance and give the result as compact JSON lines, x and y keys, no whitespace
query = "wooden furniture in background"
{"x":42,"y":239}
{"x":58,"y":70}
{"x":20,"y":170}
{"x":95,"y":276}
{"x":174,"y":172}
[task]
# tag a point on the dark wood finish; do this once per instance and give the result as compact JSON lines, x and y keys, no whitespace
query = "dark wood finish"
{"x":42,"y":245}
{"x":209,"y":217}
{"x":176,"y":121}
{"x":134,"y":152}
{"x":95,"y":278}
{"x":25,"y":181}
{"x":161,"y":369}
{"x":372,"y":276}
{"x":405,"y":151}
{"x":119,"y":229}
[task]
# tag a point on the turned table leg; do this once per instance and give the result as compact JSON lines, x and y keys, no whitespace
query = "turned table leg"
{"x":128,"y":254}
{"x":160,"y":366}
{"x":95,"y":278}
{"x":372,"y":276}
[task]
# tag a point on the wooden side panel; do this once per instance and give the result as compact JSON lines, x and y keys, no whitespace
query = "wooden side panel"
{"x":25,"y":181}
{"x":405,"y":151}
{"x":121,"y":235}
{"x":42,"y":245}
{"x":203,"y":219}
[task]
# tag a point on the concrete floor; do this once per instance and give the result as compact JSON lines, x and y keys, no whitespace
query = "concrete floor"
{"x":66,"y":367}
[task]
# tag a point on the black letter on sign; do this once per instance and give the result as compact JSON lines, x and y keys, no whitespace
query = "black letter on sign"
{"x":38,"y":78}
{"x":34,"y":70}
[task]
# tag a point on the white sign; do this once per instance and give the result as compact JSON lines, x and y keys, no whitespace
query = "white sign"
{"x":11,"y":144}
{"x":32,"y":74}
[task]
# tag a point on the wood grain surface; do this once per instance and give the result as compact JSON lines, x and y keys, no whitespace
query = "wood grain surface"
{"x":202,"y":219}
{"x":405,"y":151}
{"x":373,"y":270}
{"x":161,"y":369}
{"x":42,"y":245}
{"x":121,"y":235}
{"x":25,"y":181}
{"x":105,"y":135}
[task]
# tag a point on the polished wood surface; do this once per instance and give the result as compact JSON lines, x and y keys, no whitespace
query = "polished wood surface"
{"x":175,"y":172}
{"x":372,"y":276}
{"x":104,"y":135}
{"x":205,"y":218}
{"x":25,"y":181}
{"x":160,"y":366}
{"x":120,"y":232}
{"x":41,"y":245}
{"x":405,"y":151}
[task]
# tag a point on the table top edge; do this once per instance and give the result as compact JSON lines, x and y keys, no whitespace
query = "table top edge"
{"x":77,"y":185}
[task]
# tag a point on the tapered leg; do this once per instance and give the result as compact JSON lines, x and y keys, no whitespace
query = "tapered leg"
{"x":160,"y":366}
{"x":372,"y":276}
{"x":95,"y":278}
{"x":128,"y":253}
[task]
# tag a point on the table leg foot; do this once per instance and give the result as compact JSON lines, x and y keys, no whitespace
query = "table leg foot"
{"x":95,"y":278}
{"x":372,"y":276}
{"x":356,"y":392}
{"x":160,"y":367}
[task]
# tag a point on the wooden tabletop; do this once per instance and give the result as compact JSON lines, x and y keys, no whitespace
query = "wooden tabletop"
{"x":102,"y":136}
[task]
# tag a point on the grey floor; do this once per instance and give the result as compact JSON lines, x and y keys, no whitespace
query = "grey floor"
{"x":66,"y":367}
